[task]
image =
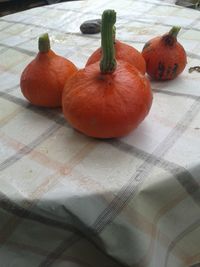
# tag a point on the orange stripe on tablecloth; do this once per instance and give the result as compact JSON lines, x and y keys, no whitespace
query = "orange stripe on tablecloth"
{"x":193,"y":259}
{"x":37,"y":156}
{"x":50,"y":163}
{"x":49,"y":183}
{"x":7,"y":118}
{"x":10,"y":142}
{"x":173,"y":245}
{"x":79,"y":178}
{"x":152,"y":229}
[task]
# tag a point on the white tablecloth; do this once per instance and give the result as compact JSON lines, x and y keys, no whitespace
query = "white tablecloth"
{"x":69,"y":200}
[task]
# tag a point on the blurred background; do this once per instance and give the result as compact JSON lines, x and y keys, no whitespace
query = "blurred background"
{"x":12,"y":6}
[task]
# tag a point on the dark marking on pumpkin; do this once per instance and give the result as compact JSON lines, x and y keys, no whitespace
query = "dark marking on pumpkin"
{"x":147,"y":45}
{"x":161,"y":70}
{"x":174,"y":70}
{"x":91,"y":26}
{"x":169,"y":69}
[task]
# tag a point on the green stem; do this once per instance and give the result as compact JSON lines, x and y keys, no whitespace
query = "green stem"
{"x":108,"y":62}
{"x":44,"y":43}
{"x":114,"y":34}
{"x":174,"y":31}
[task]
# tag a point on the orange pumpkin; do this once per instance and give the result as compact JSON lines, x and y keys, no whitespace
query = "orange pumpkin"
{"x":109,"y":100}
{"x":43,"y":80}
{"x":123,"y":52}
{"x":165,"y":57}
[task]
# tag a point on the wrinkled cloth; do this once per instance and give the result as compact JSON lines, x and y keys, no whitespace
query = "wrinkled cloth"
{"x":70,"y":200}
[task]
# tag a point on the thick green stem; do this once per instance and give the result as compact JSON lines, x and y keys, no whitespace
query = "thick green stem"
{"x":174,"y":31}
{"x":114,"y":34}
{"x":108,"y":62}
{"x":44,"y":43}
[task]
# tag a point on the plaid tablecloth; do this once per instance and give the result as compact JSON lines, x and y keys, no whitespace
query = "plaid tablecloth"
{"x":67,"y":200}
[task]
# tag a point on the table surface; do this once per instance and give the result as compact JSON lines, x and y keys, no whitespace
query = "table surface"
{"x":70,"y":200}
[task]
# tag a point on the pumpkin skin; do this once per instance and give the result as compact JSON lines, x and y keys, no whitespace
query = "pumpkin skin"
{"x":43,"y":80}
{"x":107,"y":105}
{"x":123,"y":52}
{"x":165,"y":58}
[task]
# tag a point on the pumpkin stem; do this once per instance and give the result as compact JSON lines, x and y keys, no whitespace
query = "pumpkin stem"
{"x":44,"y":43}
{"x":171,"y":37}
{"x":174,"y":31}
{"x":114,"y":34}
{"x":108,"y":62}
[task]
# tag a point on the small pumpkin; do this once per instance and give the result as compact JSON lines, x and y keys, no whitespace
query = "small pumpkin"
{"x":165,"y":57}
{"x":43,"y":79}
{"x":110,"y":98}
{"x":123,"y":52}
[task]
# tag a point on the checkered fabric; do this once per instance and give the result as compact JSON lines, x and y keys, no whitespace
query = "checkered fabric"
{"x":67,"y":200}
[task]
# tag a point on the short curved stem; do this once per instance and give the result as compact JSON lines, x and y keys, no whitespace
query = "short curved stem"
{"x":170,"y":38}
{"x":174,"y":31}
{"x":44,"y":43}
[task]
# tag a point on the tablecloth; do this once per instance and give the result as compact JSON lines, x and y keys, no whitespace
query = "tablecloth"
{"x":67,"y":200}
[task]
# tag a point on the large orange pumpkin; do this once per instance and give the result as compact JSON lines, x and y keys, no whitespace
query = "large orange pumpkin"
{"x":109,"y":100}
{"x":43,"y":80}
